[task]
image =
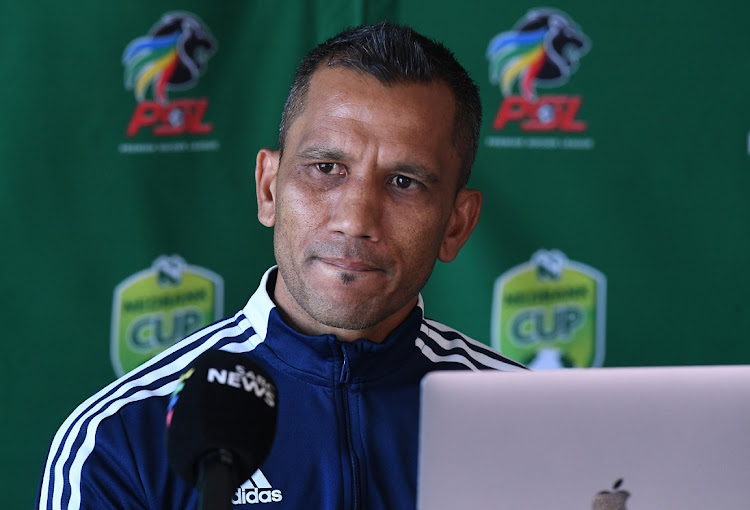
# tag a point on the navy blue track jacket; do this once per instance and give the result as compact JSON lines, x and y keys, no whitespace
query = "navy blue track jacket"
{"x":347,"y":429}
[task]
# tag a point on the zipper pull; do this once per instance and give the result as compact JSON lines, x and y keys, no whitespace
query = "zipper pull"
{"x":344,"y":366}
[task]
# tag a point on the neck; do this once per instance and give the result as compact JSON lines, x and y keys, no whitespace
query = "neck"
{"x":298,"y":318}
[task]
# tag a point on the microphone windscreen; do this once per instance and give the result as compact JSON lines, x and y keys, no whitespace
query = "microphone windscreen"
{"x":224,"y":401}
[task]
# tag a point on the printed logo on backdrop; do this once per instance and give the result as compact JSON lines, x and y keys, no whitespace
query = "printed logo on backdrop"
{"x":549,"y":313}
{"x":159,"y":306}
{"x":160,"y":65}
{"x":542,"y":51}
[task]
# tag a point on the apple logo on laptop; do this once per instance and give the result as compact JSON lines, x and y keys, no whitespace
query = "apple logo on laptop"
{"x":611,"y":500}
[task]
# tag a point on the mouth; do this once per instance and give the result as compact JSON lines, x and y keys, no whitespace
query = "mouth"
{"x":349,"y":265}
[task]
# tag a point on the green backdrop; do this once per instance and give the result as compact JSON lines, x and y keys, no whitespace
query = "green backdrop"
{"x":615,"y":222}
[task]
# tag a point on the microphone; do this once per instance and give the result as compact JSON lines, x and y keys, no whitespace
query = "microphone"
{"x":221,"y":421}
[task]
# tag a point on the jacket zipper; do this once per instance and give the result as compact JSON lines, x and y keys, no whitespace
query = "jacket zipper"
{"x":353,"y":460}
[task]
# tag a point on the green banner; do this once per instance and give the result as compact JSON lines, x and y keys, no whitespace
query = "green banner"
{"x":615,"y":144}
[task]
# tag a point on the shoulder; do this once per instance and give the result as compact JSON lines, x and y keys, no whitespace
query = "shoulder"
{"x":132,"y":398}
{"x":442,"y":344}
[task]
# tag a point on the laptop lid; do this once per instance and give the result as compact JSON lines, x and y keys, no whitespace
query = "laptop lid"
{"x":601,"y":439}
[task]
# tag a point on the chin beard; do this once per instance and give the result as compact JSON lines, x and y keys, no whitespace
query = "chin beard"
{"x":358,"y":315}
{"x":354,"y":319}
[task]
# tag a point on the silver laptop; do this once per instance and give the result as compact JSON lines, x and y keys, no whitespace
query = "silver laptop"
{"x":600,"y":439}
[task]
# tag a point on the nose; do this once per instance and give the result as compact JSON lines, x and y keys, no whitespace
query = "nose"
{"x":357,"y":209}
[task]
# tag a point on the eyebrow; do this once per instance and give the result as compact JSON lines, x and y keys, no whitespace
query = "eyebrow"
{"x":322,"y":152}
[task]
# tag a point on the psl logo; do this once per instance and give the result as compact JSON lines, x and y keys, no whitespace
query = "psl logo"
{"x":549,"y":313}
{"x":159,"y":306}
{"x":171,"y":57}
{"x":542,"y":50}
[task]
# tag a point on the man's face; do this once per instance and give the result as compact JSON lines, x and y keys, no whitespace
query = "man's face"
{"x":363,"y":202}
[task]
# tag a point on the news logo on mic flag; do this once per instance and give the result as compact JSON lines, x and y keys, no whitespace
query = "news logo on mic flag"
{"x":245,"y":379}
{"x":176,"y":394}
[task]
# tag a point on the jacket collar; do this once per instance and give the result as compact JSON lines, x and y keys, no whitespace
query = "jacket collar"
{"x":323,"y":357}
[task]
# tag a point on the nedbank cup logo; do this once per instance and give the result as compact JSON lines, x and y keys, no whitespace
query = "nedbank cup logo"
{"x":171,"y":57}
{"x":542,"y":50}
{"x":549,"y":313}
{"x":159,"y":306}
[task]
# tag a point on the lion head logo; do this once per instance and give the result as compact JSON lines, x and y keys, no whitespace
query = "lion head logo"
{"x":542,"y":50}
{"x":171,"y":57}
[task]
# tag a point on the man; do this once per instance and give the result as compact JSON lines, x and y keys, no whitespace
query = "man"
{"x":367,"y":191}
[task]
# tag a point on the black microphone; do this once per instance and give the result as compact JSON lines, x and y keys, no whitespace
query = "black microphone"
{"x":221,"y":422}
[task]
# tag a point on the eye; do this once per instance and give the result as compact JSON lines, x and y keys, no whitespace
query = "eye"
{"x":403,"y":182}
{"x":329,"y":168}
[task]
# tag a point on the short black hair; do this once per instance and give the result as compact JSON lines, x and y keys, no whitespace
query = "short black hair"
{"x":394,"y":54}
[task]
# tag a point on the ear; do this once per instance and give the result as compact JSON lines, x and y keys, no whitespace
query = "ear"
{"x":463,"y":219}
{"x":266,"y":170}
